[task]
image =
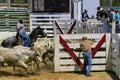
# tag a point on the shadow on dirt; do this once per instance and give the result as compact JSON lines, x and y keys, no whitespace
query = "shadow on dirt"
{"x":6,"y":74}
{"x":112,"y":75}
{"x":7,"y":71}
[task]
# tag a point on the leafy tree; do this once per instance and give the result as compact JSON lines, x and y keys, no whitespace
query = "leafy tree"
{"x":2,"y":1}
{"x":104,"y":2}
{"x":107,"y":2}
{"x":20,"y":1}
{"x":116,"y":2}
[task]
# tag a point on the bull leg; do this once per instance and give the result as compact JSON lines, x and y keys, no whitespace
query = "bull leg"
{"x":14,"y":68}
{"x":2,"y":64}
{"x":23,"y":65}
{"x":36,"y":64}
{"x":47,"y":58}
{"x":44,"y":58}
{"x":38,"y":61}
{"x":0,"y":68}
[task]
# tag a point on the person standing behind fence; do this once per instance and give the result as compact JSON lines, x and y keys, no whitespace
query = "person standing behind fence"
{"x":85,"y":46}
{"x":85,"y":16}
{"x":99,"y":27}
{"x":117,"y":18}
{"x":104,"y":18}
{"x":112,"y":14}
{"x":98,"y":13}
{"x":112,"y":19}
{"x":21,"y":32}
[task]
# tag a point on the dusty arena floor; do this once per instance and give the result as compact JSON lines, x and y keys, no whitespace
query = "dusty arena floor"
{"x":47,"y":73}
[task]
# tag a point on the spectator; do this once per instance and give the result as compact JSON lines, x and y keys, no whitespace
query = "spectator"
{"x":104,"y":18}
{"x":85,"y":16}
{"x":111,"y":15}
{"x":112,"y":19}
{"x":98,"y":13}
{"x":117,"y":18}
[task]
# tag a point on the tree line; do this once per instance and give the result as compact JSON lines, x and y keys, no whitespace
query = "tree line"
{"x":15,"y":1}
{"x":109,"y":2}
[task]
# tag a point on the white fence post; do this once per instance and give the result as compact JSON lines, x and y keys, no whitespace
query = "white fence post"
{"x":113,"y":26}
{"x":116,"y":54}
{"x":109,"y":52}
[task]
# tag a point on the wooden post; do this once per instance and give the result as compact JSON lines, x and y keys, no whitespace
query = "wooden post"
{"x":108,"y":52}
{"x":8,"y":3}
{"x":113,"y":26}
{"x":116,"y":54}
{"x":105,"y":25}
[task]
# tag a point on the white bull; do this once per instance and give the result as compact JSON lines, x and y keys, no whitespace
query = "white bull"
{"x":45,"y":49}
{"x":27,"y":56}
{"x":18,"y":56}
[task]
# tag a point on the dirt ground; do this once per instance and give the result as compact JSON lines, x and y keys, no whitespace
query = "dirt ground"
{"x":47,"y":73}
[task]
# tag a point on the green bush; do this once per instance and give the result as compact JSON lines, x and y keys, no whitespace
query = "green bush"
{"x":19,"y":1}
{"x":107,"y":2}
{"x":116,"y":3}
{"x":2,"y":1}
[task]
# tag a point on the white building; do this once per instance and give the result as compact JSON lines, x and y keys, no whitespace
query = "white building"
{"x":44,"y":12}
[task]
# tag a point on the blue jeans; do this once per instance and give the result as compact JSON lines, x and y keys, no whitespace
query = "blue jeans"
{"x":26,"y":39}
{"x":87,"y":62}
